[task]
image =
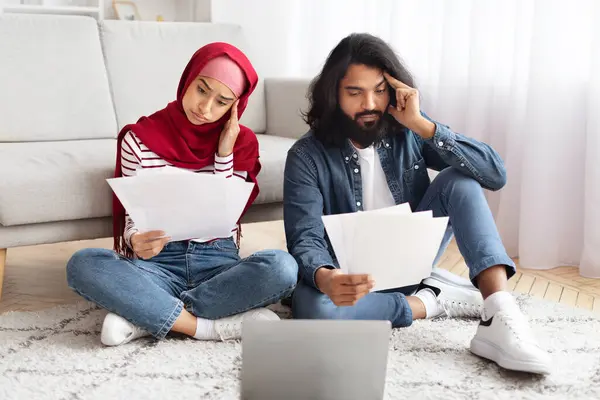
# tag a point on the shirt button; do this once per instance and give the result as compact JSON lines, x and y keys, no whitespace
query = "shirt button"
{"x":358,"y":203}
{"x":387,"y":145}
{"x":440,"y":144}
{"x":354,"y":155}
{"x":347,"y":158}
{"x":462,"y":164}
{"x":416,"y":167}
{"x":356,"y":170}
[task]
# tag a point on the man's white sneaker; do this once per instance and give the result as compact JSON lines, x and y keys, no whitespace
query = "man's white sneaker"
{"x":448,"y":277}
{"x":117,"y":330}
{"x":506,"y":339}
{"x":452,"y":300}
{"x":231,"y":327}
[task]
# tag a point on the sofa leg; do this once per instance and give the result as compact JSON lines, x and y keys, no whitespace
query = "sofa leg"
{"x":2,"y":265}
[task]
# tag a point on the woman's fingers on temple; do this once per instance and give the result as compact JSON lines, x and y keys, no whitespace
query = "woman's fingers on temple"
{"x":234,"y":111}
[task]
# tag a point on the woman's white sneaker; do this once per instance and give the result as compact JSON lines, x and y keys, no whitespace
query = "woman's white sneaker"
{"x":231,"y":327}
{"x":117,"y":330}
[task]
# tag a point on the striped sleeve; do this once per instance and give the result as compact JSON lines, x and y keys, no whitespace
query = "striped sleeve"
{"x":131,"y":161}
{"x":131,"y":155}
{"x":224,"y":166}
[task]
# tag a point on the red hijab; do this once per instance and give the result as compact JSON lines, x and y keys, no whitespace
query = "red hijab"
{"x":170,"y":135}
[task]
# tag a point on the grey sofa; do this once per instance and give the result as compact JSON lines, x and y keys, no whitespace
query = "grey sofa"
{"x":67,"y":85}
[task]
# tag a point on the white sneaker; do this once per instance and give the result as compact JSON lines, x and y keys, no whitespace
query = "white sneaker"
{"x":448,"y":277}
{"x":117,"y":330}
{"x":231,"y":327}
{"x":506,"y":339}
{"x":454,"y":300}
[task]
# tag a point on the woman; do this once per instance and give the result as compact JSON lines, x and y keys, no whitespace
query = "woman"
{"x":197,"y":287}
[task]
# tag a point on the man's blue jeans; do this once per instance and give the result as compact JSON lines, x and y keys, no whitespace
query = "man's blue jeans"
{"x":450,"y":194}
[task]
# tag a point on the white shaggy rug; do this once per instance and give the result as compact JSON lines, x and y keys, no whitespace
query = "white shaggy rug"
{"x":56,"y":354}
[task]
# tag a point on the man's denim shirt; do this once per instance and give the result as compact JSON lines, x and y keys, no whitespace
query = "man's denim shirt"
{"x":320,"y":180}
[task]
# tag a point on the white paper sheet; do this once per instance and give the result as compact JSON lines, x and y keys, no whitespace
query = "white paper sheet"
{"x":396,"y":250}
{"x":183,"y":204}
{"x":395,"y":247}
{"x":340,"y":229}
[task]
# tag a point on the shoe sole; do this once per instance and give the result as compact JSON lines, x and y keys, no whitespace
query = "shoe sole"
{"x":460,"y":292}
{"x":487,"y":350}
{"x":451,"y":279}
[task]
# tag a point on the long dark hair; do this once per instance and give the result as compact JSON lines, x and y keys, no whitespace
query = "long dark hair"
{"x":357,"y":48}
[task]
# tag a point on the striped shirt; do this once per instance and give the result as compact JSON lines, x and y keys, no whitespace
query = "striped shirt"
{"x":135,"y":156}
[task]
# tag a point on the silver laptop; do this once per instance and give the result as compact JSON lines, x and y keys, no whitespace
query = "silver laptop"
{"x":314,"y":359}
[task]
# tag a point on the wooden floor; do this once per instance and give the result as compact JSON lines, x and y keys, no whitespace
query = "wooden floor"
{"x":35,"y":277}
{"x":562,"y":285}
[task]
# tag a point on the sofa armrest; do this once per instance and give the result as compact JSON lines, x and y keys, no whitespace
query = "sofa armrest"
{"x":286,"y":100}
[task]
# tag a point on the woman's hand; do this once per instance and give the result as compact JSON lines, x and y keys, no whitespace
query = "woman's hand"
{"x":148,"y":244}
{"x":230,"y":132}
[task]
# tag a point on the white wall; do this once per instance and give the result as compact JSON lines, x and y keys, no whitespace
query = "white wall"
{"x":264,"y":23}
{"x":273,"y":26}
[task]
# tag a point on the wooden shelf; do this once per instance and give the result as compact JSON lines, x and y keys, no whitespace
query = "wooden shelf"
{"x":57,"y":10}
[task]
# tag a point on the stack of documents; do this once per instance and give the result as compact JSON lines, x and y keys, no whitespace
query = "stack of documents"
{"x":182,"y":203}
{"x":395,"y":246}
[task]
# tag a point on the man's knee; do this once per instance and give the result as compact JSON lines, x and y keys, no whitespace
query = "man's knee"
{"x":310,"y":303}
{"x":455,"y":182}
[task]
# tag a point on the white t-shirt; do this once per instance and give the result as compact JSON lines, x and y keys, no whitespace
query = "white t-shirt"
{"x":376,"y":192}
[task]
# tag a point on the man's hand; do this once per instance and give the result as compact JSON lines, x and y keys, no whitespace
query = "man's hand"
{"x":343,"y":289}
{"x":149,"y":244}
{"x":407,"y":110}
{"x":230,"y":132}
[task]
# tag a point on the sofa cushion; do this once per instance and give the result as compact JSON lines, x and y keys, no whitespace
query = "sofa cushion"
{"x":55,"y":181}
{"x":53,"y":83}
{"x":145,"y":61}
{"x":59,"y":181}
{"x":286,"y":100}
{"x":273,"y":152}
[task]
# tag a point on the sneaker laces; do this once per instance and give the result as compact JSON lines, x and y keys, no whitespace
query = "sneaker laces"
{"x":516,"y":322}
{"x":229,"y":329}
{"x":454,"y":308}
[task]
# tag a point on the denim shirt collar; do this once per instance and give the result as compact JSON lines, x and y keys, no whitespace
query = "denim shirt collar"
{"x":349,"y":151}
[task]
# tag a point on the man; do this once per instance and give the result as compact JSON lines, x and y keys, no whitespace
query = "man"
{"x":369,"y":147}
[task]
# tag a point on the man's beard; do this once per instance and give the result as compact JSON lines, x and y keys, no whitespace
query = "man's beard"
{"x":367,"y":134}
